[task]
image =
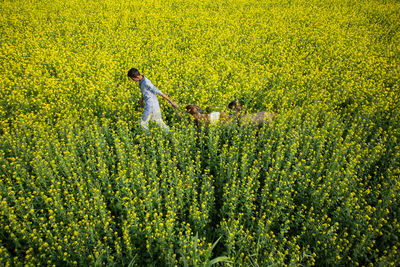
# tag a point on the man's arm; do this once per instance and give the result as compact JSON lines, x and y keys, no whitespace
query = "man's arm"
{"x":155,"y":90}
{"x":169,"y":100}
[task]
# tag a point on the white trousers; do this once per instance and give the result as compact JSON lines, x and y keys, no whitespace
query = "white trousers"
{"x":154,"y":115}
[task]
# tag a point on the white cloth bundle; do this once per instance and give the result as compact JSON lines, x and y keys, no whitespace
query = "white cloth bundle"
{"x":214,"y":117}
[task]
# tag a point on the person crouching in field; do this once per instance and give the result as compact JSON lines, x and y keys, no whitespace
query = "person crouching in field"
{"x":149,"y":97}
{"x":252,"y":118}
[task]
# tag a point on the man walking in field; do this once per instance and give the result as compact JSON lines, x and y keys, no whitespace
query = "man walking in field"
{"x":149,"y":97}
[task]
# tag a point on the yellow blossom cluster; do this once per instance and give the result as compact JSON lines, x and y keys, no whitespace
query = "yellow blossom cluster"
{"x":81,"y":183}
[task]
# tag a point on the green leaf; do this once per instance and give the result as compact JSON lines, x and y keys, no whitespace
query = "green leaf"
{"x":195,"y":243}
{"x":185,"y":263}
{"x":132,"y":262}
{"x":215,"y":243}
{"x":216,"y":260}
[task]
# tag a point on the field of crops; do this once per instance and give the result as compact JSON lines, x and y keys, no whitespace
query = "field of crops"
{"x":82,"y":184}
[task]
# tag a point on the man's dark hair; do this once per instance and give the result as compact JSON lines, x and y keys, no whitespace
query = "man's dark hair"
{"x":235,"y":105}
{"x":133,"y":73}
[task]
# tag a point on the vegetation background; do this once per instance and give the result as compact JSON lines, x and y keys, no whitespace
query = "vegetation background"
{"x":81,"y":184}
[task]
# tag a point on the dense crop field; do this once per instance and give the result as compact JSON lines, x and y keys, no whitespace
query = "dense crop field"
{"x":82,"y":184}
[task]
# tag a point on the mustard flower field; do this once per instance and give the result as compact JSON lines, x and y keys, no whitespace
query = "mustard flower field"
{"x":81,"y":183}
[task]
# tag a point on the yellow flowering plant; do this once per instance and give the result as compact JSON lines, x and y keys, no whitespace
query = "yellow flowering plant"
{"x":82,"y":184}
